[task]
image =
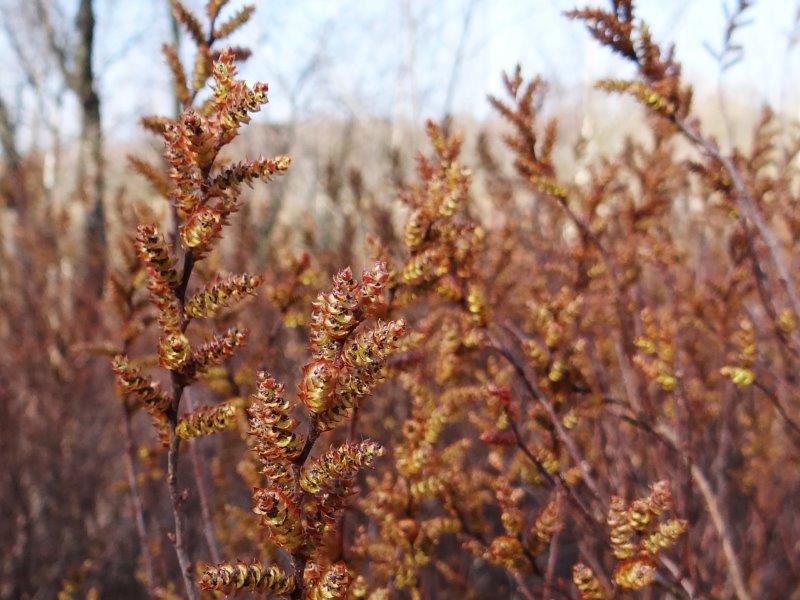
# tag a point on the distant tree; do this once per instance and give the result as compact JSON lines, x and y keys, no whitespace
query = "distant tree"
{"x":73,"y":55}
{"x":11,"y":157}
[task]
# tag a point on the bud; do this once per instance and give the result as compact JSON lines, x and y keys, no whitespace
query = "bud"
{"x":230,"y":579}
{"x":173,"y":351}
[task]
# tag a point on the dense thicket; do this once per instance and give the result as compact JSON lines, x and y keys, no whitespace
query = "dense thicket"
{"x":535,"y":386}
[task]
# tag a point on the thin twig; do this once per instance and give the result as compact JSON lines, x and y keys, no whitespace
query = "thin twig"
{"x":773,"y":398}
{"x":565,"y":438}
{"x":299,"y":559}
{"x":136,"y":500}
{"x":722,"y":528}
{"x":747,"y":208}
{"x":712,"y":505}
{"x":552,"y":558}
{"x":177,"y":501}
{"x":174,"y":444}
{"x":202,"y":494}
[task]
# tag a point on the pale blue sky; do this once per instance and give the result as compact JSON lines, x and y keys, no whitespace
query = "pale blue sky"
{"x":394,"y":57}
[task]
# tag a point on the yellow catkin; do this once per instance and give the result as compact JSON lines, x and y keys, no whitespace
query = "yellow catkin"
{"x":235,"y":578}
{"x":665,"y":536}
{"x":587,"y":583}
{"x":281,"y":516}
{"x":547,"y":523}
{"x":635,"y":574}
{"x":620,"y":530}
{"x":333,"y":585}
{"x":335,"y":471}
{"x":131,"y":382}
{"x":173,"y":351}
{"x":271,"y":422}
{"x":212,"y":299}
{"x":206,"y":421}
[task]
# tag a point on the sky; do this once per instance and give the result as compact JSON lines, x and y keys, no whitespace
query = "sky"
{"x":395,"y":58}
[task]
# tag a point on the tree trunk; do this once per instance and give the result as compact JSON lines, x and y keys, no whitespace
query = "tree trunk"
{"x":12,"y":188}
{"x":84,"y":86}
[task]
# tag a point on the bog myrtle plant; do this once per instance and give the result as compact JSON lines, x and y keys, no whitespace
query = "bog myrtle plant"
{"x":526,"y":383}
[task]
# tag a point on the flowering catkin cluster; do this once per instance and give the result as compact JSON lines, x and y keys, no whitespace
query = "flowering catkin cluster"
{"x":334,"y":472}
{"x":656,"y":351}
{"x":231,"y":579}
{"x":217,"y":296}
{"x":272,"y":425}
{"x":215,"y":351}
{"x":587,"y":583}
{"x":347,"y":364}
{"x":637,"y":535}
{"x":139,"y":390}
{"x":206,"y":421}
{"x":204,"y":191}
{"x":205,"y":198}
{"x":333,"y":583}
{"x":302,"y":500}
{"x":570,"y":339}
{"x":162,"y":280}
{"x":138,"y":387}
{"x":442,"y":241}
{"x":660,"y":88}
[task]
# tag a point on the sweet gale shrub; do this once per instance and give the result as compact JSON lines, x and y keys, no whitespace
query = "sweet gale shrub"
{"x":588,"y":392}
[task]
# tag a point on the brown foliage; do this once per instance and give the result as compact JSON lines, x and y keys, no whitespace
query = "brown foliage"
{"x":589,"y":384}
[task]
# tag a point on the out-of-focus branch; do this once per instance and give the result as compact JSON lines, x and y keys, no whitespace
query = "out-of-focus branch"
{"x":8,"y":138}
{"x":748,"y":209}
{"x":136,"y":500}
{"x":202,"y":492}
{"x":56,"y":47}
{"x":722,"y":528}
{"x":458,"y":58}
{"x":563,"y":436}
{"x":12,"y":159}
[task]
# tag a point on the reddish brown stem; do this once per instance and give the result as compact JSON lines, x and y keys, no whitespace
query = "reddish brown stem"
{"x":177,"y":513}
{"x":136,"y":501}
{"x":203,"y":494}
{"x":747,"y":209}
{"x":552,"y":558}
{"x":174,"y":447}
{"x":540,"y":398}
